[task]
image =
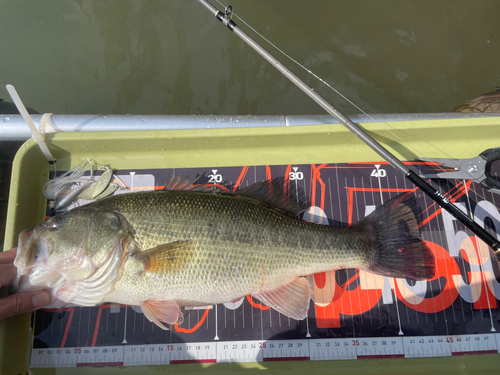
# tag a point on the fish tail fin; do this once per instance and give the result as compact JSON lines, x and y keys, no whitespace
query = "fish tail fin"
{"x":394,"y":235}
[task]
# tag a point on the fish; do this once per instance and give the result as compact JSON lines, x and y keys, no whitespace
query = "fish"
{"x":189,"y":245}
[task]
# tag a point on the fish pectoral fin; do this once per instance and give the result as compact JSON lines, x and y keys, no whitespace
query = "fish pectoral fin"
{"x":166,"y":256}
{"x":290,"y":299}
{"x":162,"y":311}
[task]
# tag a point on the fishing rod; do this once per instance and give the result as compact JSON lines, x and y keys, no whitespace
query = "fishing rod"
{"x":434,"y":194}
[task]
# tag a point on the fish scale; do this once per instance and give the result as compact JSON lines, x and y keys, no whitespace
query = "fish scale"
{"x":263,"y":248}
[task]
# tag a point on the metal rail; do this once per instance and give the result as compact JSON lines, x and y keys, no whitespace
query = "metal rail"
{"x":14,"y":128}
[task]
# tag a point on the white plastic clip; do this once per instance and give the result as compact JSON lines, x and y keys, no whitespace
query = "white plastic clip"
{"x":37,"y":134}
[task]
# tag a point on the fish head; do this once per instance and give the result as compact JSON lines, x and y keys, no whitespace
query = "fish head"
{"x":70,"y":249}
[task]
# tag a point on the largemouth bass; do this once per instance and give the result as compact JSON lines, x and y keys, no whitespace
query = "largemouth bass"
{"x":181,"y":247}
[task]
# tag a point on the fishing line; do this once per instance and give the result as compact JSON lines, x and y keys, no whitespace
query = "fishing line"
{"x":390,"y":128}
{"x":430,"y":191}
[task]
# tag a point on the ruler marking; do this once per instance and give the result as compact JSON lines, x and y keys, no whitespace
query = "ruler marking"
{"x":100,"y":364}
{"x":475,"y":352}
{"x":267,"y":351}
{"x":477,"y":343}
{"x":278,"y":359}
{"x":380,"y":356}
{"x":185,"y":361}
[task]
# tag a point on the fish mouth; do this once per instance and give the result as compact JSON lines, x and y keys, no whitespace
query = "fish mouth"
{"x":24,"y":236}
{"x":21,"y":259}
{"x":32,"y":252}
{"x":27,"y":251}
{"x":71,"y":276}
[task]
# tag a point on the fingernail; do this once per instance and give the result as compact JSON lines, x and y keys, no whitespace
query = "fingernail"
{"x":41,"y":299}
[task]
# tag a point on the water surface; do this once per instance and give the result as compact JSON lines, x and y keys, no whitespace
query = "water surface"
{"x":173,"y":57}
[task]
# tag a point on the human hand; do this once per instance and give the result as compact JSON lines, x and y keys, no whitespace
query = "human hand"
{"x":18,"y":303}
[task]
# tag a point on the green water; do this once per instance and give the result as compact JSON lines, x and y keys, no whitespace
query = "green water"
{"x":173,"y":57}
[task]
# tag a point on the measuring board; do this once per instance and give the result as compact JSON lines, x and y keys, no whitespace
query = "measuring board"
{"x":271,"y":350}
{"x":353,"y":314}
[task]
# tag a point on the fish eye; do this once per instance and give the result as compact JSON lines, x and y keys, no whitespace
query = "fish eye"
{"x":54,"y":224}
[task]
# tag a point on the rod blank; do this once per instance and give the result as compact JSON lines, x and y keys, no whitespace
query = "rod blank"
{"x":434,"y":194}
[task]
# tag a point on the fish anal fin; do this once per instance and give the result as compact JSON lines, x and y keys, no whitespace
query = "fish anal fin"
{"x":168,"y":256}
{"x":291,"y":299}
{"x":162,"y":311}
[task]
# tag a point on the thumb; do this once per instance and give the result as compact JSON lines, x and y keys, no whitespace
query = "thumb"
{"x":21,"y":303}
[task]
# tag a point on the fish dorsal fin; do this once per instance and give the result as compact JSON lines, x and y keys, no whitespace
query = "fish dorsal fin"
{"x":166,"y":256}
{"x":280,"y":194}
{"x":183,"y":183}
{"x":291,"y":300}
